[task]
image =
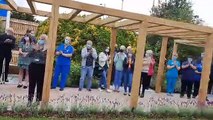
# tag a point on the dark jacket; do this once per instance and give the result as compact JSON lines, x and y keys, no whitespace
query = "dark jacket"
{"x":38,"y":57}
{"x":211,"y":74}
{"x":5,"y":48}
{"x":125,"y":64}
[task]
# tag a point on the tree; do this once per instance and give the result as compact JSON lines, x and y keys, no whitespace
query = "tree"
{"x":178,"y":10}
{"x":23,"y":16}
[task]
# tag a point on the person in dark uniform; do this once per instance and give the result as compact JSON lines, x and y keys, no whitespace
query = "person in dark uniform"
{"x":7,"y":43}
{"x":37,"y":70}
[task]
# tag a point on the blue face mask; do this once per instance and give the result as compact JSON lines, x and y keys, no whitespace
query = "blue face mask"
{"x":41,"y":42}
{"x":174,"y":58}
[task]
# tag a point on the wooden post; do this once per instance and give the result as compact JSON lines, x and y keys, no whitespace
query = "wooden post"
{"x":175,"y":48}
{"x":112,"y":52}
{"x":206,"y":71}
{"x":141,"y":42}
{"x":161,"y":65}
{"x":52,"y":36}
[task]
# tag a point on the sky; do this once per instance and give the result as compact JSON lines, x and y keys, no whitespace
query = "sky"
{"x":203,"y":8}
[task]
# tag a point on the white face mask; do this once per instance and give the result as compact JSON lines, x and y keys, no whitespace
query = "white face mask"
{"x":89,"y":46}
{"x":66,"y":42}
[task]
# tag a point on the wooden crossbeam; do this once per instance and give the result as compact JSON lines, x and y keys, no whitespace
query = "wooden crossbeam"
{"x":159,"y":28}
{"x":128,"y":15}
{"x":125,"y":23}
{"x":73,"y":14}
{"x":105,"y":21}
{"x":170,"y":31}
{"x":92,"y":17}
{"x":12,"y":4}
{"x":187,"y":33}
{"x":32,"y":6}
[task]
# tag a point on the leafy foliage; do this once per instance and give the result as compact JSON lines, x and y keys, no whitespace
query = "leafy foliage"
{"x":23,"y":16}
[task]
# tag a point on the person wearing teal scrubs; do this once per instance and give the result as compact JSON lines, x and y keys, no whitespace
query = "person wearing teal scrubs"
{"x":173,"y":66}
{"x":64,"y":53}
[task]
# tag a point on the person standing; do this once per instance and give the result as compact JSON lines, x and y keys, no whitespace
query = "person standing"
{"x":7,"y":43}
{"x":24,"y":61}
{"x":197,"y":78}
{"x":37,"y":70}
{"x":118,"y":61}
{"x":210,"y":81}
{"x":63,"y":63}
{"x":173,"y":66}
{"x":129,"y":62}
{"x":89,"y":55}
{"x":145,"y":78}
{"x":188,"y":73}
{"x":103,"y":61}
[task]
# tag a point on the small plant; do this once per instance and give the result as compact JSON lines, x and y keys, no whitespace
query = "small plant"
{"x":184,"y":112}
{"x":139,"y":111}
{"x":19,"y":108}
{"x":207,"y":113}
{"x":164,"y":111}
{"x":3,"y":107}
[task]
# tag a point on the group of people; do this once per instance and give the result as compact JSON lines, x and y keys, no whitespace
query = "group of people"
{"x":190,"y":76}
{"x":32,"y":58}
{"x":31,"y":62}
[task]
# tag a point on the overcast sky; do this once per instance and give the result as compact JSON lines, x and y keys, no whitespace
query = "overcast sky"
{"x":203,"y":8}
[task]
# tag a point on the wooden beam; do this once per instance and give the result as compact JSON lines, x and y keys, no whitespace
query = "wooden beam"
{"x":175,"y":48}
{"x":141,"y":43}
{"x":159,"y":28}
{"x":207,"y":60}
{"x":5,"y":7}
{"x":12,"y":4}
{"x":129,"y":15}
{"x":73,"y":14}
{"x":32,"y":6}
{"x":92,"y":17}
{"x":125,"y":23}
{"x":186,"y":33}
{"x":105,"y":21}
{"x":171,"y":31}
{"x":50,"y":53}
{"x":112,"y":53}
{"x":39,"y":12}
{"x":161,"y":65}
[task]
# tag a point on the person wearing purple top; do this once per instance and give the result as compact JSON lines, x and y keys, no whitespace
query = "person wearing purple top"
{"x":188,"y":72}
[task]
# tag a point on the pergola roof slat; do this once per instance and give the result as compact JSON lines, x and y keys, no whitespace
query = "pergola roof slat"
{"x":73,"y":14}
{"x":158,"y":28}
{"x":105,"y":21}
{"x":92,"y":17}
{"x":12,"y":4}
{"x":32,"y":6}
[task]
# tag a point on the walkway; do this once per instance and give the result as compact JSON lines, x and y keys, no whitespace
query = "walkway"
{"x":9,"y":93}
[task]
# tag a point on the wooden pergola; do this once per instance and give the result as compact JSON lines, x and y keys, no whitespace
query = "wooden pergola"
{"x":117,"y":19}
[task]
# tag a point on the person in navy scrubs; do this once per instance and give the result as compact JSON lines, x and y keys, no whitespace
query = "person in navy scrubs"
{"x":188,"y":73}
{"x":64,"y":53}
{"x":173,"y":66}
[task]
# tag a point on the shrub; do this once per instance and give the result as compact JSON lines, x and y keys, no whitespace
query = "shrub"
{"x":3,"y":107}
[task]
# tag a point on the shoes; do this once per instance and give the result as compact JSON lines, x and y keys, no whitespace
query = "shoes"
{"x":188,"y":97}
{"x":129,"y":94}
{"x":169,"y":94}
{"x":79,"y":89}
{"x":89,"y":90}
{"x":108,"y":90}
{"x":61,"y":89}
{"x":100,"y":89}
{"x":125,"y":93}
{"x":193,"y":96}
{"x":25,"y":87}
{"x":53,"y":87}
{"x":207,"y":99}
{"x":6,"y":80}
{"x":181,"y":96}
{"x":19,"y":86}
{"x":142,"y":95}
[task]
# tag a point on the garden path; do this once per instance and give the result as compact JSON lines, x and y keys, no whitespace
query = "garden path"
{"x":9,"y":93}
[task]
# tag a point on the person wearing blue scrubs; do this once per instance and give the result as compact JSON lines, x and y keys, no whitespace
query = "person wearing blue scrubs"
{"x":173,"y":67}
{"x":63,"y":63}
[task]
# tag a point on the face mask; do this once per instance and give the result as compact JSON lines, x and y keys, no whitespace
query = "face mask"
{"x":189,"y":60}
{"x":107,"y":50}
{"x":174,"y":58}
{"x":27,"y":38}
{"x":66,"y":42}
{"x":89,"y":46}
{"x":41,"y":42}
{"x":202,"y":55}
{"x":130,"y":55}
